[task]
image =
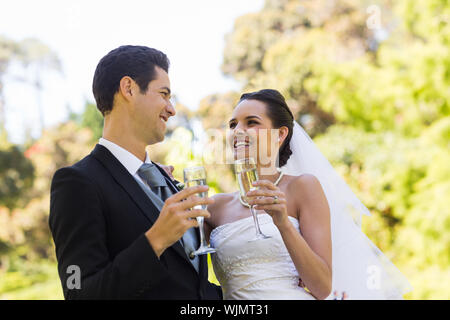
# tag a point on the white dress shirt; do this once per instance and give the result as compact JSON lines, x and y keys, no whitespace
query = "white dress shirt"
{"x":126,"y":158}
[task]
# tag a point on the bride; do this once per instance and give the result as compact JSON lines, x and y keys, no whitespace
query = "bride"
{"x":316,"y":248}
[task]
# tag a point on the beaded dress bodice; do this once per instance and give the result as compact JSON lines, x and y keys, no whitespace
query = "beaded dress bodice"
{"x":259,"y":270}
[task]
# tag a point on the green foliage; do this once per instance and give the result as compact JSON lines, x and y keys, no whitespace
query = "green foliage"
{"x":27,"y":257}
{"x":36,"y":280}
{"x":378,"y":103}
{"x":404,"y":183}
{"x":377,"y":106}
{"x":216,"y":108}
{"x":92,"y":119}
{"x":16,"y":176}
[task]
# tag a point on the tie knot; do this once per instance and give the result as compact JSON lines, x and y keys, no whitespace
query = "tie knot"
{"x":150,"y":174}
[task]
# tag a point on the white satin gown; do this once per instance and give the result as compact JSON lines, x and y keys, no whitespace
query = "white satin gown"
{"x":257,"y":270}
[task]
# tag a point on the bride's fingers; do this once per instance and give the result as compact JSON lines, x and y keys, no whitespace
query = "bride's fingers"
{"x":265,"y":183}
{"x":265,"y":193}
{"x":269,"y":207}
{"x":267,"y":201}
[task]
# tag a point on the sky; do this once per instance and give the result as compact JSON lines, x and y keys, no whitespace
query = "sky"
{"x":191,"y":33}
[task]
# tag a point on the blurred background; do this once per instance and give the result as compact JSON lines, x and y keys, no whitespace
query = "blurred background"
{"x":368,"y":80}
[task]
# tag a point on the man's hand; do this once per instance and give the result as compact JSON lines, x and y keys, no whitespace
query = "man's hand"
{"x":176,"y":217}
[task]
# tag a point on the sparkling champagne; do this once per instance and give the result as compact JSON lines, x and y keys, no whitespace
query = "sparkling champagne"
{"x":246,"y":174}
{"x":198,"y":182}
{"x":245,"y":179}
{"x":196,"y":176}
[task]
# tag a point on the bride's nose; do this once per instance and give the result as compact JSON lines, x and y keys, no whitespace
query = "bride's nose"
{"x":239,"y":133}
{"x":240,"y":128}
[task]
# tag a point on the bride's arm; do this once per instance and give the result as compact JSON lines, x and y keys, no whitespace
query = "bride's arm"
{"x":210,"y":223}
{"x":311,"y":250}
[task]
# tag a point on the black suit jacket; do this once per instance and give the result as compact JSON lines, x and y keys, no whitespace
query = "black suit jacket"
{"x":98,"y":218}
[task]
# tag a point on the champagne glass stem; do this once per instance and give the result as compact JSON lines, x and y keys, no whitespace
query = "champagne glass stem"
{"x":200,"y":221}
{"x":195,"y":176}
{"x":259,"y":234}
{"x":255,"y":220}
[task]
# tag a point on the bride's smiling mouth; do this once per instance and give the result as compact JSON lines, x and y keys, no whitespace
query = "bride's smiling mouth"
{"x":241,"y":142}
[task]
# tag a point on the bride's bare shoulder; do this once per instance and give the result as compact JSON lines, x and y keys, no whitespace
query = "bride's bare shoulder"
{"x":221,"y":199}
{"x":305,"y":178}
{"x":221,"y":202}
{"x":305,"y":184}
{"x":307,"y":192}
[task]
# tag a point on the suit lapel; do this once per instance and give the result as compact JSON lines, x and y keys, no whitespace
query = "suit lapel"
{"x":128,"y":183}
{"x":130,"y":186}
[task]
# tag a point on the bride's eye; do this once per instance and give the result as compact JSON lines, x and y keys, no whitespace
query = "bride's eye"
{"x":232,"y":125}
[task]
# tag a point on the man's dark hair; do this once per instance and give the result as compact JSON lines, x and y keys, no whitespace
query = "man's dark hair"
{"x":137,"y":62}
{"x":280,"y":114}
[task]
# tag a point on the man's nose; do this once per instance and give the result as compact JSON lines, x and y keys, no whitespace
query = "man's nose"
{"x":170,"y":109}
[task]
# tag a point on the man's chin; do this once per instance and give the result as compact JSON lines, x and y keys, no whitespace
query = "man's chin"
{"x":159,"y":140}
{"x":155,"y":140}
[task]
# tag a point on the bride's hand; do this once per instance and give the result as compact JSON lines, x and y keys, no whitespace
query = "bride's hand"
{"x":270,"y":199}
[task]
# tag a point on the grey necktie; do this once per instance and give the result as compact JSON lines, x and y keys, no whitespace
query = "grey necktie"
{"x":158,"y":184}
{"x":155,"y":180}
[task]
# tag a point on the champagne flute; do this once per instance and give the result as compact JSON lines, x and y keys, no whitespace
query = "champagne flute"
{"x":246,"y":174}
{"x":196,"y":176}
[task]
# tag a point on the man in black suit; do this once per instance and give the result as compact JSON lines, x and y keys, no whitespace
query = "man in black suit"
{"x":118,"y":221}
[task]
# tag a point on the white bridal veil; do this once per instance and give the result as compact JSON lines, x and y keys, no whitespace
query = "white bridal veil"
{"x":359,"y":268}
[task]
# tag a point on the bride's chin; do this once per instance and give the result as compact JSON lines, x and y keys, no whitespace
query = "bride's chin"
{"x":243,"y":153}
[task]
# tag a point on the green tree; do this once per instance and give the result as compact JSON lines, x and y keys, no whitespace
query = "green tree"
{"x":16,"y":176}
{"x":376,"y":99}
{"x":28,"y":260}
{"x":92,"y":119}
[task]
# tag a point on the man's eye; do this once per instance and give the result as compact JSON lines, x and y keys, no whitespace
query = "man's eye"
{"x":232,"y":125}
{"x":252,"y":122}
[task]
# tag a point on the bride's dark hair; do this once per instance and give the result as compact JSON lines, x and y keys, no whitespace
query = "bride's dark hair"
{"x":278,"y":111}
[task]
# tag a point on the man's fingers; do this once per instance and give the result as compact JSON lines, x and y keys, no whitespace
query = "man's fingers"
{"x":197,"y":213}
{"x":195,"y":201}
{"x":186,"y":193}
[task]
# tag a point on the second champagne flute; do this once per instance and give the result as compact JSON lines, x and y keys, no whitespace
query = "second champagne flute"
{"x":196,"y":176}
{"x":246,"y":174}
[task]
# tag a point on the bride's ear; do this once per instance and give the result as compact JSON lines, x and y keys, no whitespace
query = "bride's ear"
{"x":282,"y":134}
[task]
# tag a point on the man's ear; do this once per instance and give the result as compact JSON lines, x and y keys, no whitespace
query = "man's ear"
{"x":127,"y":87}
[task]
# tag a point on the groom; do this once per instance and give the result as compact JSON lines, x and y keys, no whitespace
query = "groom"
{"x":121,"y":227}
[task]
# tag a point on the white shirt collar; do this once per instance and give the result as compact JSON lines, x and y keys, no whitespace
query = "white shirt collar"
{"x":126,"y":158}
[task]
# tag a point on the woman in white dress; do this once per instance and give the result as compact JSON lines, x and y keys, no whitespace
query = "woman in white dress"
{"x":315,"y":248}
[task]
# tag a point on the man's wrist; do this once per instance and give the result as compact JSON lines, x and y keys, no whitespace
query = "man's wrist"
{"x":156,"y":245}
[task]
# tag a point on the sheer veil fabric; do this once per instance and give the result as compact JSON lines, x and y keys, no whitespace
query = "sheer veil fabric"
{"x":359,"y":268}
